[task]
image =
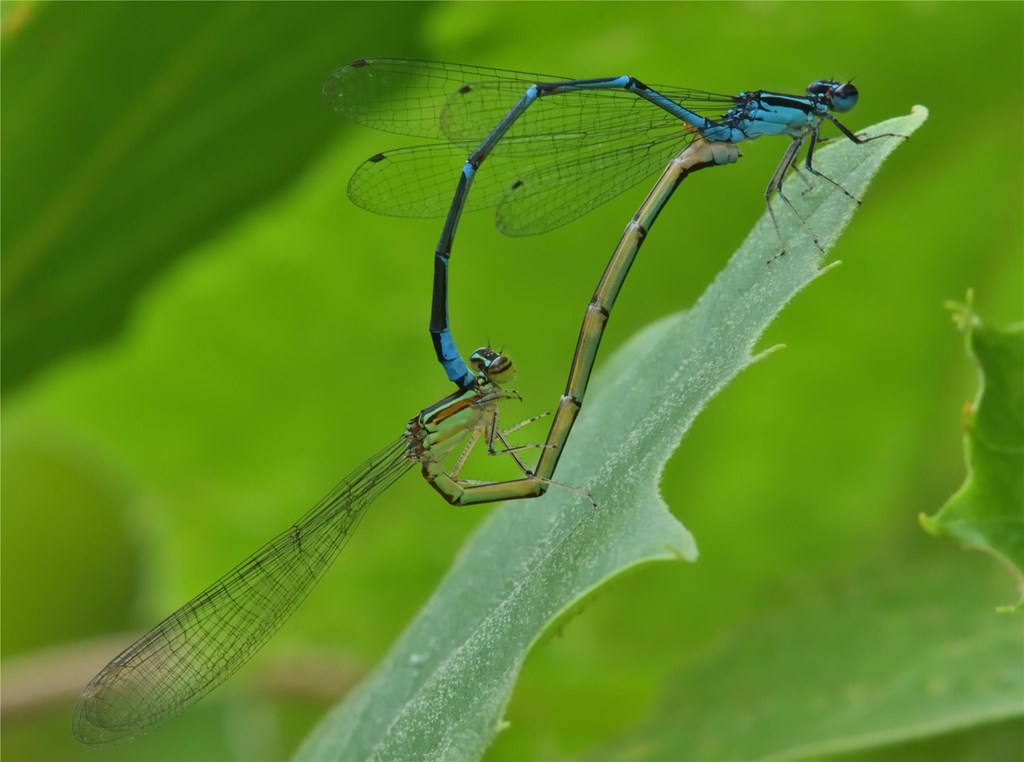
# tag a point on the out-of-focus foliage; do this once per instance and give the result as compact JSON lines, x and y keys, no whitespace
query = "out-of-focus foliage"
{"x":987,"y":512}
{"x":201,"y":335}
{"x":135,"y":135}
{"x":864,"y":662}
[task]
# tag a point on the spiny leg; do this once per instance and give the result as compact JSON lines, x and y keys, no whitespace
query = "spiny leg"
{"x":578,"y":490}
{"x":496,"y":435}
{"x":461,"y":461}
{"x":526,"y":422}
{"x":775,"y":188}
{"x":809,"y":163}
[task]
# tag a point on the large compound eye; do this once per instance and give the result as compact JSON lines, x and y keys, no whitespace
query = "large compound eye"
{"x":844,"y":97}
{"x":502,"y":370}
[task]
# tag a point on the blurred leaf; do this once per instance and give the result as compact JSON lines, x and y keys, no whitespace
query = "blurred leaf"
{"x":42,"y":477}
{"x":134,"y":131}
{"x":893,"y":653}
{"x":979,"y":743}
{"x":442,"y":690}
{"x":987,"y":512}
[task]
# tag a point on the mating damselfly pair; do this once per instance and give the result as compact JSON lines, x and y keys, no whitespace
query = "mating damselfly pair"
{"x":557,"y":161}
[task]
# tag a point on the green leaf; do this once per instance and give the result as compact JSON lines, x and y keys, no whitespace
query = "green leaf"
{"x":872,"y":660}
{"x":987,"y":512}
{"x":120,"y":168}
{"x":443,"y":688}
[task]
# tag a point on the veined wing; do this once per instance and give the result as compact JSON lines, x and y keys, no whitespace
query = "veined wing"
{"x":205,"y":641}
{"x":407,"y":97}
{"x":462,"y":104}
{"x":553,"y":195}
{"x":419,"y":181}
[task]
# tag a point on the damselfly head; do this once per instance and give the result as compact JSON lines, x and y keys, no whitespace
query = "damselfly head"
{"x":497,"y":367}
{"x":838,"y":96}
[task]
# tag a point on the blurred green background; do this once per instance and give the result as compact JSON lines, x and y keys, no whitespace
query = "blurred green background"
{"x":201,"y":335}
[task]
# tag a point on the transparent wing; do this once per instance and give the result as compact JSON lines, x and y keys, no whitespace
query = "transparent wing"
{"x":407,"y":97}
{"x":553,"y":195}
{"x":571,"y":140}
{"x":462,"y":104}
{"x":206,"y":640}
{"x":419,"y":181}
{"x":556,"y":123}
{"x":534,"y":194}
